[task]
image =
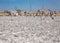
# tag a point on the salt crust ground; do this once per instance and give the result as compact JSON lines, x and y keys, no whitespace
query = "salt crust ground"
{"x":22,"y":29}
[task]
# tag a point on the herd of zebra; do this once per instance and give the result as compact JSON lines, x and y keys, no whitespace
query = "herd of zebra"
{"x":40,"y":12}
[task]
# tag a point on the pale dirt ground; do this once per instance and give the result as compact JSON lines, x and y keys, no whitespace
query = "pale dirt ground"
{"x":22,"y":29}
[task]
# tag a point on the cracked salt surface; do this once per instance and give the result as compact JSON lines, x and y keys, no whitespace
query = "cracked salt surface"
{"x":22,"y":29}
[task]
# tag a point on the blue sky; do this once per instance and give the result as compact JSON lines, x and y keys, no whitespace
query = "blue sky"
{"x":25,"y":4}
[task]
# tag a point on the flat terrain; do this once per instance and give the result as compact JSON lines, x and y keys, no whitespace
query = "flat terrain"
{"x":29,"y":29}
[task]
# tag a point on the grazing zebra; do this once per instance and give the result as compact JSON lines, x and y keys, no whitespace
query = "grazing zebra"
{"x":14,"y":13}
